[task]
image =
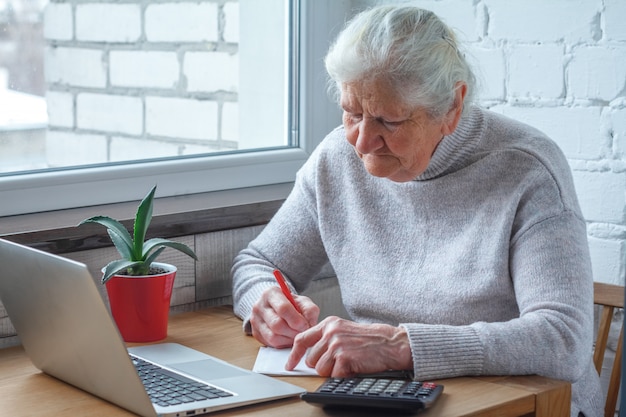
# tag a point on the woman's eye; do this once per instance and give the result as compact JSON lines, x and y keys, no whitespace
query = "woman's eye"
{"x":354,"y":117}
{"x":390,"y":125}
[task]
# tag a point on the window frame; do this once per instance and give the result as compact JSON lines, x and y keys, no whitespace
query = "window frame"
{"x":317,"y":115}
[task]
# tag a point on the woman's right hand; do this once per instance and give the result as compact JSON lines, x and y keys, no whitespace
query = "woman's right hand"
{"x":275,"y":321}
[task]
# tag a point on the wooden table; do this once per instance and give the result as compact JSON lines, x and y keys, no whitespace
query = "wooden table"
{"x":25,"y":391}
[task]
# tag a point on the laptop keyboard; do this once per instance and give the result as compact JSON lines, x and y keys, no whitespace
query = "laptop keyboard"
{"x":167,"y":388}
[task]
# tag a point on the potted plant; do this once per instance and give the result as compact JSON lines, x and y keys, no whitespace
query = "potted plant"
{"x":139,"y":288}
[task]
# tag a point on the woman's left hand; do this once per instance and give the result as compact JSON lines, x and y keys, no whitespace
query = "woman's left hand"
{"x":340,"y":348}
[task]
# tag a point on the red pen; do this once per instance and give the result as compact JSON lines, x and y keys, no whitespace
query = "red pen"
{"x":283,"y":286}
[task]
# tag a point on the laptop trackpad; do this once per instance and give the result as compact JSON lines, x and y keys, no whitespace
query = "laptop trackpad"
{"x":208,"y":369}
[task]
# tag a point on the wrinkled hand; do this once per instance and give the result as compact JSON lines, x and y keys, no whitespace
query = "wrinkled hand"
{"x":275,"y":322}
{"x":340,"y":348}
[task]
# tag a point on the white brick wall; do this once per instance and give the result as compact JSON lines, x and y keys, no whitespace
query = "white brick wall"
{"x":231,"y":29}
{"x":543,"y":21}
{"x":611,"y":251}
{"x":79,"y":67}
{"x":575,"y":129}
{"x":104,"y":112}
{"x":598,"y":72}
{"x":211,"y":71}
{"x":108,"y":22}
{"x":618,"y":129}
{"x":559,"y":65}
{"x":182,"y":22}
{"x":60,"y":109}
{"x":59,"y":19}
{"x":115,"y":72}
{"x":543,"y":64}
{"x":157,"y":69}
{"x":602,"y":195}
{"x":614,"y":26}
{"x":184,"y":118}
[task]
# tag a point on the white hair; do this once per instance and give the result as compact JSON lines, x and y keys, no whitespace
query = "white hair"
{"x":408,"y":47}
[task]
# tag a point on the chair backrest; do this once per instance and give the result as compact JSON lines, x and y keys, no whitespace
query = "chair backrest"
{"x":609,"y":297}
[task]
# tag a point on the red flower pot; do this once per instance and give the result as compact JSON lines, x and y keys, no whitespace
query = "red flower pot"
{"x":140,"y":304}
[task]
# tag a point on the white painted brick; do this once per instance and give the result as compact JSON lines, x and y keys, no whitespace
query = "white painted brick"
{"x":60,"y":109}
{"x":71,"y":149}
{"x":618,"y":126}
{"x":144,"y":69}
{"x":606,"y":258}
{"x":231,"y":19}
{"x":575,"y":129}
{"x":124,"y":149}
{"x":536,"y":71}
{"x":75,"y":66}
{"x":541,"y":20}
{"x":614,"y":14}
{"x":184,"y":118}
{"x":181,"y":22}
{"x":602,"y":195}
{"x":489,"y":67}
{"x":109,"y":113}
{"x":230,"y":121}
{"x":108,"y":22}
{"x":58,"y":21}
{"x":597,"y":72}
{"x":211,"y":71}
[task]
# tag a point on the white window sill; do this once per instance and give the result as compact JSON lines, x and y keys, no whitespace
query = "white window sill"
{"x":56,"y":231}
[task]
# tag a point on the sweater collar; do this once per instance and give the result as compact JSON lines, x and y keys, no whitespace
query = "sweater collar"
{"x":454,"y":150}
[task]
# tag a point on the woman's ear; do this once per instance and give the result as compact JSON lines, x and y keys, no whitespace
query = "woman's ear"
{"x":451,"y":120}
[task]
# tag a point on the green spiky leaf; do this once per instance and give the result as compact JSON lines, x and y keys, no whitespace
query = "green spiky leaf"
{"x":157,"y":242}
{"x":150,"y":258}
{"x":111,"y":224}
{"x":123,"y":246}
{"x":143,"y":217}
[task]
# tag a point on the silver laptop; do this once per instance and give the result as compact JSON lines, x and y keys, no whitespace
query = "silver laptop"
{"x":67,"y":331}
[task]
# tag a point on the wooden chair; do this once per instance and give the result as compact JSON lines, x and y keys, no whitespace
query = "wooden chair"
{"x":609,"y":297}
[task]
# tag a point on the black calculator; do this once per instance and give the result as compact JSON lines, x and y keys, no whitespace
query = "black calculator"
{"x":375,"y":392}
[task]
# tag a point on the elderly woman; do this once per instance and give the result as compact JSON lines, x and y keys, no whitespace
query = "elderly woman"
{"x":455,"y":233}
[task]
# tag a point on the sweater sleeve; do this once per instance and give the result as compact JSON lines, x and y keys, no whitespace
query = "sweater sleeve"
{"x":551,"y":273}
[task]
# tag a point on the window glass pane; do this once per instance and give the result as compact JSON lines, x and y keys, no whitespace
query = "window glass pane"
{"x":23,"y":117}
{"x":101,"y":82}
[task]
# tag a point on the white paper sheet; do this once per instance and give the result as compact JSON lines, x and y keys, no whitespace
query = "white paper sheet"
{"x":271,"y":361}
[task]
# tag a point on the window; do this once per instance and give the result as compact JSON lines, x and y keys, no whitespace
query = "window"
{"x":193,"y":96}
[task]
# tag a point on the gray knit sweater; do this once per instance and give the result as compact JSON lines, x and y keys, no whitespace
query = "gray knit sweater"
{"x":483,"y":258}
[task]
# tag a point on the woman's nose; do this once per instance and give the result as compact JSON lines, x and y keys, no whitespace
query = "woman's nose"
{"x":369,"y":137}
